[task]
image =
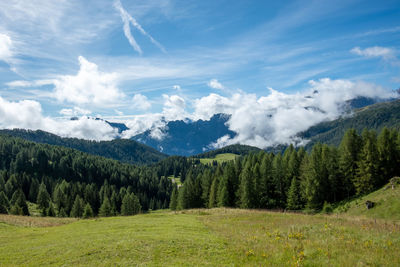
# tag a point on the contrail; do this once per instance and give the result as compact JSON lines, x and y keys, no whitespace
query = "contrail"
{"x":127,"y":19}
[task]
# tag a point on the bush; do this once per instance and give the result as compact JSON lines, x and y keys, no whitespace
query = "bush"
{"x":327,"y":208}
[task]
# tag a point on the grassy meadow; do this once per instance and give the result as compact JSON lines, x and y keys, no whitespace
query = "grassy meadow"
{"x":220,"y":158}
{"x":217,"y":237}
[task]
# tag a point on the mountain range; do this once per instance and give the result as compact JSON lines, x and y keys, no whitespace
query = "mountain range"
{"x":189,"y":138}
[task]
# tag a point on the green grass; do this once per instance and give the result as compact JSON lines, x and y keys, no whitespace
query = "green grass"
{"x":217,"y":237}
{"x":220,"y":158}
{"x":176,"y":180}
{"x":387,"y":205}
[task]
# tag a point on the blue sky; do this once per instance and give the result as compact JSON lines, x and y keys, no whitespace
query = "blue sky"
{"x":117,"y":58}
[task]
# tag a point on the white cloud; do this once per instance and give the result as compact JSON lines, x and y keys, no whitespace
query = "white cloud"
{"x":215,"y":84}
{"x":128,"y":19}
{"x":88,"y":86}
{"x":27,"y":114}
{"x":141,"y":102}
{"x":375,"y":51}
{"x":174,"y":107}
{"x":5,"y":47}
{"x":278,"y":117}
{"x":76,"y":111}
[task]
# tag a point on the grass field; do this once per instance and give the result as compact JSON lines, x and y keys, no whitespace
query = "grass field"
{"x":220,"y":158}
{"x":217,"y":237}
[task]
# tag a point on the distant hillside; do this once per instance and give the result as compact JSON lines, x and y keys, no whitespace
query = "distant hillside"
{"x":374,"y":117}
{"x":124,"y":150}
{"x":233,"y":149}
{"x":188,"y":138}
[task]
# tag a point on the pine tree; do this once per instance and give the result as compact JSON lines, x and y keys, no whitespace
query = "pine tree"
{"x":127,"y":205}
{"x":50,"y":211}
{"x":77,"y":207}
{"x":4,"y":203}
{"x":43,"y":199}
{"x":212,"y":202}
{"x":223,"y":194}
{"x":349,"y":150}
{"x":247,"y":191}
{"x":387,"y":155}
{"x":367,"y":178}
{"x":62,"y":213}
{"x":137,"y":207}
{"x":18,"y":201}
{"x":174,"y":199}
{"x":294,"y":197}
{"x":105,"y":208}
{"x":87,"y":212}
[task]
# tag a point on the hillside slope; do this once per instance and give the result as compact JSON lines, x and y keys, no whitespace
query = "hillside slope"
{"x":124,"y":150}
{"x":387,"y":204}
{"x":374,"y":117}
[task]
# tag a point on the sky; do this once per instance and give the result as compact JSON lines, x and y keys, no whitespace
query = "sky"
{"x":278,"y":68}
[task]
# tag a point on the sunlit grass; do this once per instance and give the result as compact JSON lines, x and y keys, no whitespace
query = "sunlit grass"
{"x":220,"y":158}
{"x":216,"y":237}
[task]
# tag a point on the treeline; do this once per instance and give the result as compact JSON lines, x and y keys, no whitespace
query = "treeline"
{"x":124,"y":150}
{"x":296,"y":179}
{"x":67,"y":182}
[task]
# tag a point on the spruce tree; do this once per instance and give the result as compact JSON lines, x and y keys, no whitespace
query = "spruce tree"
{"x":349,"y":150}
{"x":223,"y":194}
{"x":77,"y":207}
{"x":174,"y":199}
{"x":387,"y":150}
{"x":4,"y":203}
{"x":19,"y":206}
{"x":367,"y":178}
{"x":105,"y":208}
{"x":87,"y":212}
{"x":247,"y":191}
{"x":213,"y":196}
{"x":43,"y":199}
{"x":294,"y":197}
{"x":137,"y":207}
{"x":127,"y":205}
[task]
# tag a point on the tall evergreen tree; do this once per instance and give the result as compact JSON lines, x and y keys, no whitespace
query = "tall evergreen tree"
{"x":4,"y":203}
{"x":43,"y":199}
{"x":294,"y":196}
{"x":105,"y":208}
{"x":18,"y":201}
{"x":77,"y":207}
{"x":247,"y":191}
{"x":87,"y":212}
{"x":367,"y":177}
{"x":174,"y":199}
{"x":349,"y":150}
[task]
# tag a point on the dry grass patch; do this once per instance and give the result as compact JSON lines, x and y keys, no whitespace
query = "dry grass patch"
{"x":30,"y":221}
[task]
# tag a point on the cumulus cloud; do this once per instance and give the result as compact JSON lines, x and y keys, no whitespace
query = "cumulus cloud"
{"x":375,"y":51}
{"x":27,"y":114}
{"x":141,"y":102}
{"x":127,"y":20}
{"x":5,"y":47}
{"x":88,"y":86}
{"x":76,"y":111}
{"x":174,"y":107}
{"x":277,"y":118}
{"x":215,"y":84}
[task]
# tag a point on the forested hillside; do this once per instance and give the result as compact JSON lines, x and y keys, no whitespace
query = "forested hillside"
{"x":66,"y":182}
{"x":374,"y":117}
{"x":296,"y":180}
{"x":124,"y":150}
